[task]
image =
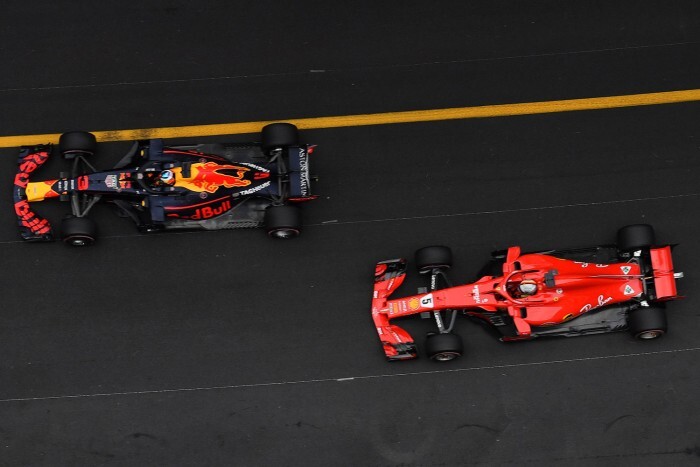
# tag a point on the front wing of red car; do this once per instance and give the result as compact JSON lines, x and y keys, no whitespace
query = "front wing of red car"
{"x":396,"y":342}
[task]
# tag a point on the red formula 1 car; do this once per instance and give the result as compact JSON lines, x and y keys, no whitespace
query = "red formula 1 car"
{"x":201,"y":186}
{"x":553,"y":293}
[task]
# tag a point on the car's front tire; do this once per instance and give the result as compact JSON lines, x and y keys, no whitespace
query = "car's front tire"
{"x":283,"y":221}
{"x":433,"y":257}
{"x":78,"y":231}
{"x":444,"y":347}
{"x":77,"y":143}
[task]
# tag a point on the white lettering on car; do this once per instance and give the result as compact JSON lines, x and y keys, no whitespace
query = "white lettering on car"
{"x":254,"y":189}
{"x":303,"y":173}
{"x":253,"y":166}
{"x":602,"y":300}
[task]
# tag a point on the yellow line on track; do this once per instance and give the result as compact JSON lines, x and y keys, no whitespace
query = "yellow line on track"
{"x":411,"y":116}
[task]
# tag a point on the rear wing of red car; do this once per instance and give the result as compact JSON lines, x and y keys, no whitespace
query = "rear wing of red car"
{"x":396,"y":342}
{"x":664,"y":275}
{"x":31,"y":226}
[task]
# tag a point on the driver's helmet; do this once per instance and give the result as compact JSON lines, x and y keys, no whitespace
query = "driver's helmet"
{"x":166,"y":177}
{"x":527,"y":287}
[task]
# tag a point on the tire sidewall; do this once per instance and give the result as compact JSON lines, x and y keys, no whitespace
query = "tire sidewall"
{"x":283,"y":218}
{"x":647,"y":320}
{"x":635,"y":237}
{"x":432,"y":257}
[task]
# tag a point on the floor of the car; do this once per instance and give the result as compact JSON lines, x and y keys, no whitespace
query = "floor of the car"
{"x":607,"y":319}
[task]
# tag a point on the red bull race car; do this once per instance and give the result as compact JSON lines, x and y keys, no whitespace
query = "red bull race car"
{"x":201,"y":186}
{"x":523,"y":296}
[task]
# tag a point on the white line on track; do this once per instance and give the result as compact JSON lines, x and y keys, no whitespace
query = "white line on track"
{"x":345,"y":70}
{"x":350,"y":378}
{"x":505,"y":211}
{"x":436,"y":216}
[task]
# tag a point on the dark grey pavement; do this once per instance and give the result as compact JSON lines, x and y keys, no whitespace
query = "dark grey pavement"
{"x":227,"y":348}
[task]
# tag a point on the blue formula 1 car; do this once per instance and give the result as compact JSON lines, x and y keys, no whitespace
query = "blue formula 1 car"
{"x":201,"y":186}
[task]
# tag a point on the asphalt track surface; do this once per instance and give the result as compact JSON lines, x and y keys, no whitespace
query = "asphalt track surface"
{"x":227,"y":348}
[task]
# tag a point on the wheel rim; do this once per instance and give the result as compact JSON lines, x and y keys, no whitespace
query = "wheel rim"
{"x":445,"y":356}
{"x":284,"y":233}
{"x":79,"y":241}
{"x":651,"y":334}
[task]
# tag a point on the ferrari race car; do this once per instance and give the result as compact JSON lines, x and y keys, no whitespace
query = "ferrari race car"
{"x":523,"y":296}
{"x":201,"y":186}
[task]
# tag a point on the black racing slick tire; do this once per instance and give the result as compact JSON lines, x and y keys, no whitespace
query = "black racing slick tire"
{"x":635,"y":237}
{"x":77,"y":142}
{"x":433,"y":257}
{"x":279,"y":135}
{"x":444,"y":347}
{"x":283,"y":221}
{"x":647,"y":323}
{"x":78,"y":231}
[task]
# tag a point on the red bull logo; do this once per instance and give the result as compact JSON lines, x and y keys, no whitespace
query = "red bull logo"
{"x":209,"y":212}
{"x":29,"y":164}
{"x":124,"y":181}
{"x":28,"y":219}
{"x":210,"y":176}
{"x":200,"y":211}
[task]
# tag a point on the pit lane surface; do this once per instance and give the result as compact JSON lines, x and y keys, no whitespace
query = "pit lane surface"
{"x":225,"y":348}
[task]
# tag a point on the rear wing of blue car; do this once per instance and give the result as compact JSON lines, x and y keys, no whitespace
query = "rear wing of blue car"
{"x":299,"y":178}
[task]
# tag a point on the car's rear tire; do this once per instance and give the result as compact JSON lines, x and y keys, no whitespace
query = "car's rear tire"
{"x":78,"y":231}
{"x":444,"y":347}
{"x":647,"y":323}
{"x":77,"y":142}
{"x":636,"y":236}
{"x":433,"y":257}
{"x":283,"y":221}
{"x":279,"y":135}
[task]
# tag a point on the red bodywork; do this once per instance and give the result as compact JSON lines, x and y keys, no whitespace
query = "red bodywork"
{"x":565,"y":290}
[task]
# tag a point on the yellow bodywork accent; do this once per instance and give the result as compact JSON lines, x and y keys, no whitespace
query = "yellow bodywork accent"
{"x":36,"y":191}
{"x":205,"y":176}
